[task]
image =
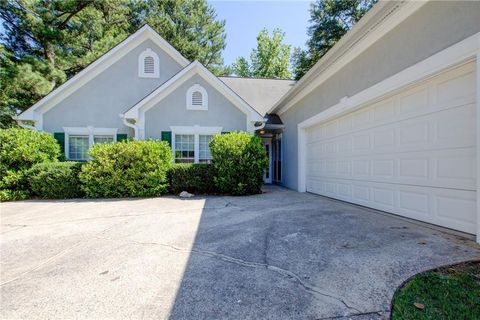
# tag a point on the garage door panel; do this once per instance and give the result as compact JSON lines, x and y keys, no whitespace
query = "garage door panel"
{"x":449,"y":208}
{"x":411,"y":154}
{"x":449,"y":168}
{"x":452,"y":128}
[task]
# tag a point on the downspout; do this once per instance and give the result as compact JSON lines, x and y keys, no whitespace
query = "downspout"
{"x":262,"y":125}
{"x":129,"y":124}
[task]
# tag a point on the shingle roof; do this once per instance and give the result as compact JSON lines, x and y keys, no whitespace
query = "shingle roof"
{"x":259,"y":93}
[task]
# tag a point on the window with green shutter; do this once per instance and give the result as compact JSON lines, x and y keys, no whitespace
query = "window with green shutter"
{"x":121,"y":137}
{"x":167,"y":136}
{"x":60,"y":137}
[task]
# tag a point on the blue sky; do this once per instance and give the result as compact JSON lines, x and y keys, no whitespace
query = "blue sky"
{"x":245,"y":19}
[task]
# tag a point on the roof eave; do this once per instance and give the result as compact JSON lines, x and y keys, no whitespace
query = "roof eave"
{"x":383,"y":17}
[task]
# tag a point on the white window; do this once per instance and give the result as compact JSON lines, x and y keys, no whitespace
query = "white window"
{"x":78,"y":147}
{"x":79,"y":140}
{"x":184,"y":148}
{"x":191,"y":144}
{"x":197,"y":98}
{"x":102,"y":139}
{"x":148,"y":64}
{"x":205,"y":155}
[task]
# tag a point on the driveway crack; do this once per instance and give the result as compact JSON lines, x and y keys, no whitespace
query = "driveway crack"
{"x":313,"y":290}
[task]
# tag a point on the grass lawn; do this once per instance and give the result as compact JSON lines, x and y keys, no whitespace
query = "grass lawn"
{"x":445,"y":293}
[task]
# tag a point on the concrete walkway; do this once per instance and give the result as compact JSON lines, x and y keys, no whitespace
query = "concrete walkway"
{"x":279,"y":255}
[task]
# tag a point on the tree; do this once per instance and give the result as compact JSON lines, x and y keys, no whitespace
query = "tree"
{"x":191,"y":26}
{"x":46,"y":42}
{"x":330,"y":20}
{"x":269,"y":60}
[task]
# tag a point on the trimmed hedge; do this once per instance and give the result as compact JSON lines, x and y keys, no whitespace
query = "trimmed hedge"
{"x":127,"y":169}
{"x":20,"y":149}
{"x":56,"y":180}
{"x":239,"y":161}
{"x":195,"y":178}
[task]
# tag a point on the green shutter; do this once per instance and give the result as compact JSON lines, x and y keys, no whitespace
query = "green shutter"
{"x":167,"y":136}
{"x":121,"y":137}
{"x":60,"y":137}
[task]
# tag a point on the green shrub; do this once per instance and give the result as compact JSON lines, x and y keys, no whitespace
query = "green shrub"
{"x":55,"y":180}
{"x":239,"y":160}
{"x":20,"y":149}
{"x":127,"y":169}
{"x":195,"y":178}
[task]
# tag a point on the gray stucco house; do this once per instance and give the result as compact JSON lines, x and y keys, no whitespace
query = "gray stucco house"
{"x":386,"y":119}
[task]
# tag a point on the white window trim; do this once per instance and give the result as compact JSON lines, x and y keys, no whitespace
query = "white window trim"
{"x":196,"y":131}
{"x":141,"y":64}
{"x":190,"y":91}
{"x":87,"y":131}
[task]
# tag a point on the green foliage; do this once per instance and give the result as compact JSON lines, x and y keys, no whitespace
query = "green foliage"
{"x":55,"y":180}
{"x":46,"y":42}
{"x":330,"y":20}
{"x":446,"y":293}
{"x":126,"y":169}
{"x":195,"y":178}
{"x":239,"y":160}
{"x":20,"y":149}
{"x":242,"y":68}
{"x":269,"y":60}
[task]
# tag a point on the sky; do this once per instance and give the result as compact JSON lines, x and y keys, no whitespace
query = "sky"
{"x":245,"y":19}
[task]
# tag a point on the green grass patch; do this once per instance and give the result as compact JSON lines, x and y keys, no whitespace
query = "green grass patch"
{"x":445,"y":293}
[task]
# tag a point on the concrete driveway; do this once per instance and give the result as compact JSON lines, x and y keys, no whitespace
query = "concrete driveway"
{"x":279,"y":255}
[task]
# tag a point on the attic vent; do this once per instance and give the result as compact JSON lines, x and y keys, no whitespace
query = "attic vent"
{"x":197,"y":99}
{"x":149,"y":65}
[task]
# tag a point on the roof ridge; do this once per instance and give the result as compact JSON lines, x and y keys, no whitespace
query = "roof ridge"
{"x":255,"y":78}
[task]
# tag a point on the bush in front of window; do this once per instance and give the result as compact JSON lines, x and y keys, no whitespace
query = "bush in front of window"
{"x":239,"y":161}
{"x":20,"y":149}
{"x":127,"y":169}
{"x":55,"y":180}
{"x":196,"y":178}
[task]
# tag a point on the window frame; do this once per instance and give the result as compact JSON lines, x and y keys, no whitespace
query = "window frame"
{"x":207,"y":159}
{"x":68,"y":153}
{"x":184,"y":159}
{"x":91,"y":132}
{"x":196,"y":131}
{"x":141,"y":64}
{"x":197,"y":88}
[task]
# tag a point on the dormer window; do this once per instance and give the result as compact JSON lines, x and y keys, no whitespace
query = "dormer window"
{"x":197,"y":98}
{"x":148,"y":64}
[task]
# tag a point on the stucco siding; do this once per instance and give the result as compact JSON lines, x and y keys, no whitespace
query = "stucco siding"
{"x":172,"y":111}
{"x":99,"y":102}
{"x":434,"y":27}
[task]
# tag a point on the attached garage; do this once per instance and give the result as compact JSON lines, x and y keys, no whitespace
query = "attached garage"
{"x":411,"y":153}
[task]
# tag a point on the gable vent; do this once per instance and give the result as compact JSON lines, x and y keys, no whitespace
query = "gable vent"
{"x":149,"y":65}
{"x":197,"y":99}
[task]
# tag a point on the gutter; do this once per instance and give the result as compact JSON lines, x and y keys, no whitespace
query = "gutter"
{"x":129,"y":124}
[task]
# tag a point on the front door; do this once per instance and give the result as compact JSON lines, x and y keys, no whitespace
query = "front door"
{"x":267,"y":144}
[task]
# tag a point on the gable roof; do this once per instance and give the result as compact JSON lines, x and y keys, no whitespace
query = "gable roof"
{"x":260,"y":93}
{"x":99,"y":65}
{"x":195,"y":68}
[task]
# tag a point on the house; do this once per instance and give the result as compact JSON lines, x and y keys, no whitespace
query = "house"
{"x":145,"y":89}
{"x":386,"y":119}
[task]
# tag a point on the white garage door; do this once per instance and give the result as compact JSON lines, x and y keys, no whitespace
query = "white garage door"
{"x":411,"y":154}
